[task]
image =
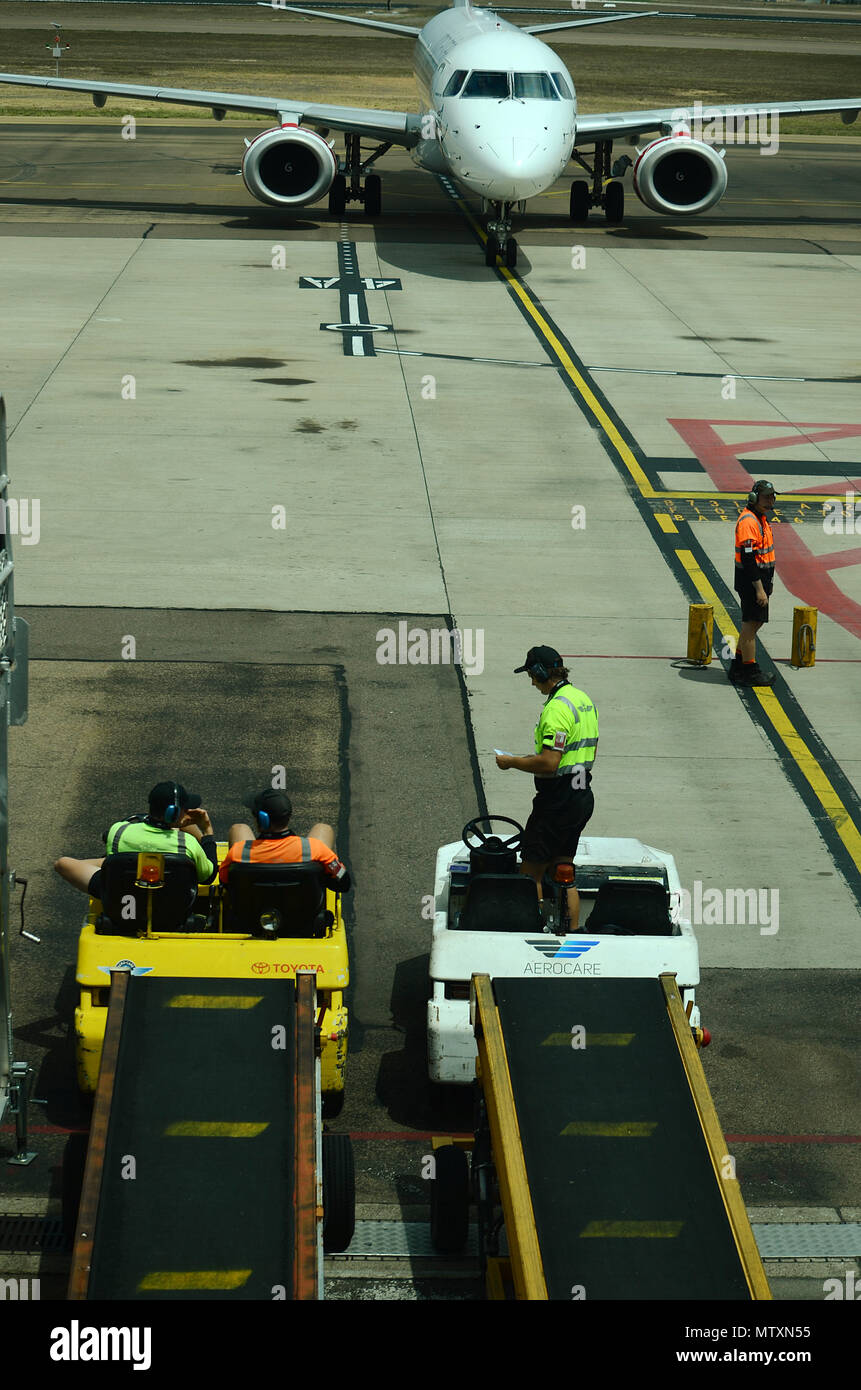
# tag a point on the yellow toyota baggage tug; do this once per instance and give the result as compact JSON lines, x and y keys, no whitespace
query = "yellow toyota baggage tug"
{"x":269,"y":922}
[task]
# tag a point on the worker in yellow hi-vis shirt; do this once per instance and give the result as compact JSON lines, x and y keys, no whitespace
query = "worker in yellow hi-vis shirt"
{"x":566,"y":743}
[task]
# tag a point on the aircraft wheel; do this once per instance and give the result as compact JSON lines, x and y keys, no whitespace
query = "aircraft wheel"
{"x":511,"y":253}
{"x":338,"y":195}
{"x":614,"y":202}
{"x":450,"y":1200}
{"x":491,"y":250}
{"x":339,"y":1192}
{"x":373,"y":195}
{"x":579,"y":201}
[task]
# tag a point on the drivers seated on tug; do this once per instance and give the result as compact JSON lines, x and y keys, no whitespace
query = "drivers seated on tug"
{"x":278,"y":902}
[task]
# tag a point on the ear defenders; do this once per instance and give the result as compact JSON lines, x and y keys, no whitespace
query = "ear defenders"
{"x":539,"y":671}
{"x":753,"y":495}
{"x":173,"y":812}
{"x":263,"y":819}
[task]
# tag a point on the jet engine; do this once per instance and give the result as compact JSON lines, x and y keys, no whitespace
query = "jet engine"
{"x":289,"y":166}
{"x":677,"y":174}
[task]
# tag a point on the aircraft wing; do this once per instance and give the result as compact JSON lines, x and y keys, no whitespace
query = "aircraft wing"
{"x":583,"y":23}
{"x":340,"y":18}
{"x":617,"y":125}
{"x":396,"y":127}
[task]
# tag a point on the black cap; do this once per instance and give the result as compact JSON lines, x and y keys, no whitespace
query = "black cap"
{"x":763,"y":485}
{"x":166,"y":794}
{"x":277,"y":805}
{"x":540,"y":656}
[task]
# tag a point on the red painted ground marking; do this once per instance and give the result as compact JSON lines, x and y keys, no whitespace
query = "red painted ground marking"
{"x":721,"y":460}
{"x":412,"y":1136}
{"x":804,"y":574}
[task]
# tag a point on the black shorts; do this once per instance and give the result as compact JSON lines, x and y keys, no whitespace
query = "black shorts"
{"x":554,"y":827}
{"x":751,"y":611}
{"x":94,"y":887}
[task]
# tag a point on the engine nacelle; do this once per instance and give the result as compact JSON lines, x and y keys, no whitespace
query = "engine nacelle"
{"x":289,"y":167}
{"x":679,"y":175}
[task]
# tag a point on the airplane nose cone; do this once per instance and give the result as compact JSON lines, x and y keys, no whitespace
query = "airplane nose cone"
{"x":508,"y":161}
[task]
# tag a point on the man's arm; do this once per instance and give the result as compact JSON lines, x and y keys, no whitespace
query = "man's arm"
{"x":197,"y":824}
{"x":547,"y":761}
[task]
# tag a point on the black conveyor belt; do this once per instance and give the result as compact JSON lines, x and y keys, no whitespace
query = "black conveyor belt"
{"x":205,"y":1215}
{"x":682,"y":1246}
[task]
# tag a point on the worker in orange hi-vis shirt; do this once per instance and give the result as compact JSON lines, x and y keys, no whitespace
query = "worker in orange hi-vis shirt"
{"x":276,"y":843}
{"x":754,"y":579}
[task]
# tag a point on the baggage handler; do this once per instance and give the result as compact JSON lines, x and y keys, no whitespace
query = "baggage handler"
{"x":754,"y":580}
{"x":566,"y":743}
{"x":176,"y":824}
{"x":276,"y":843}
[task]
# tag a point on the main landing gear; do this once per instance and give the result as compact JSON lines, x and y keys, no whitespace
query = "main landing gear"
{"x":500,"y":243}
{"x":347,"y":187}
{"x":605,"y":192}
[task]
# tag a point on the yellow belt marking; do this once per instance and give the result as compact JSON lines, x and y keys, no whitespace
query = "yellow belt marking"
{"x":650,"y":1230}
{"x":628,"y":1129}
{"x":592,"y":1040}
{"x":195,"y":1279}
{"x":214,"y":1001}
{"x":214,"y":1129}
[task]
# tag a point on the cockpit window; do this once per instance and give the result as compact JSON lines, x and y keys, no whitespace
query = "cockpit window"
{"x":564,"y":89}
{"x":487,"y":85}
{"x":455,"y":82}
{"x":534,"y":85}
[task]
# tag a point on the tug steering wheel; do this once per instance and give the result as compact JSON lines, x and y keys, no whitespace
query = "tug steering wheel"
{"x":472,"y":828}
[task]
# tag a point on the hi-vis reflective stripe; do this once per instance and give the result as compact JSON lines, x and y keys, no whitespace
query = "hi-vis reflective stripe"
{"x":195,"y":1279}
{"x":214,"y":1129}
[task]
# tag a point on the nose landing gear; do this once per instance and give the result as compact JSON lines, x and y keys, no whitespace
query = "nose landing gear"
{"x":500,"y":243}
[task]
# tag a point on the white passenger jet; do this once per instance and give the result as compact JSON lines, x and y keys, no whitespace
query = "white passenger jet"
{"x":499,"y":115}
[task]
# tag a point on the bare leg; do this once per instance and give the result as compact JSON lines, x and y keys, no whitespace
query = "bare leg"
{"x":78,"y":872}
{"x":747,"y":640}
{"x":240,"y":831}
{"x":573,"y":909}
{"x":536,"y":872}
{"x":324,"y":832}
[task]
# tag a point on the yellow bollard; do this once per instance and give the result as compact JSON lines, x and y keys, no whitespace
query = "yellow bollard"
{"x":700,"y":632}
{"x":803,"y":637}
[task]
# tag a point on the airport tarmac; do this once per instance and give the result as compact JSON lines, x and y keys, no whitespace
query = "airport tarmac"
{"x":554,"y":457}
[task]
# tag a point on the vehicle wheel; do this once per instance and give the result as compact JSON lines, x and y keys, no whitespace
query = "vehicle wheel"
{"x":74,"y":1161}
{"x":491,"y":250}
{"x":333,"y":1104}
{"x":339,"y":1192}
{"x":511,"y":253}
{"x":614,"y":202}
{"x":338,"y":195}
{"x":580,"y":201}
{"x":450,"y":1200}
{"x":373,"y":195}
